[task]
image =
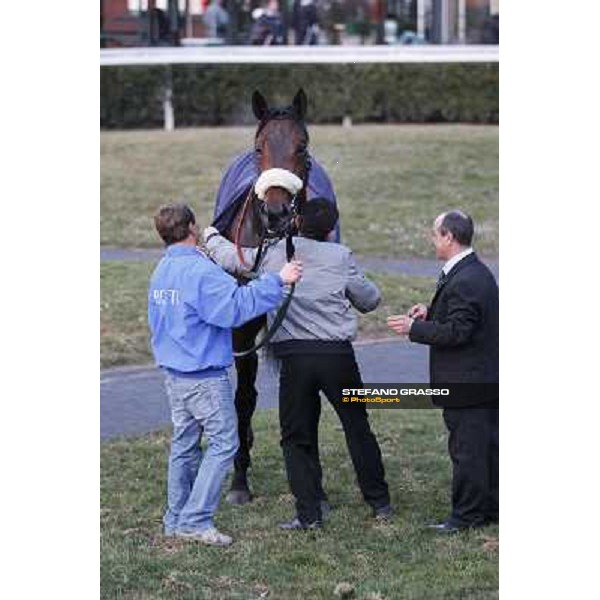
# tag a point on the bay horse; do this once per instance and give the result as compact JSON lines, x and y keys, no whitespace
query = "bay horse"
{"x":263,"y":207}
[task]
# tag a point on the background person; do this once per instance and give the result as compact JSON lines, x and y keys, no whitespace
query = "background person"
{"x":314,"y":346}
{"x":461,"y":328}
{"x":268,"y":28}
{"x":192,"y":306}
{"x":216,"y":20}
{"x":306,"y":22}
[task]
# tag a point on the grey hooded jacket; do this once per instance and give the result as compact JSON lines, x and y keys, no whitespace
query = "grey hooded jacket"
{"x":331,"y":285}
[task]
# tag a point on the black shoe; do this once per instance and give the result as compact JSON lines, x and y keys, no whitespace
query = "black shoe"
{"x":383,"y":513}
{"x":451,"y":527}
{"x":445,"y":527}
{"x":296,"y":523}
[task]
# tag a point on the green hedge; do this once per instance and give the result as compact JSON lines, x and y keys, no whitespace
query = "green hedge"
{"x":131,"y":97}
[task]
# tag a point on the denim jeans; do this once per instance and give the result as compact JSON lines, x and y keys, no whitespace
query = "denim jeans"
{"x":198,"y":407}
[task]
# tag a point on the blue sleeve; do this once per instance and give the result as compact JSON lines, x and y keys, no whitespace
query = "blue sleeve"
{"x":224,"y":303}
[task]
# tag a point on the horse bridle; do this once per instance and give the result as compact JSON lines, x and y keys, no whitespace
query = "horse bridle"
{"x":268,"y":234}
{"x":281,"y":114}
{"x":268,"y":237}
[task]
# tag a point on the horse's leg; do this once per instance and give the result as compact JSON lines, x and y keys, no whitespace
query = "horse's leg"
{"x":245,"y":404}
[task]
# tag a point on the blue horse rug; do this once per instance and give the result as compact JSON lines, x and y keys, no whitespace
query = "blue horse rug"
{"x":241,"y":175}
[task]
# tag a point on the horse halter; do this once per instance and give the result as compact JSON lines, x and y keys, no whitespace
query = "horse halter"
{"x":294,"y":185}
{"x":276,"y":177}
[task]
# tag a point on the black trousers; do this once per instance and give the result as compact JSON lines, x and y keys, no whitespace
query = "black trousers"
{"x":473,"y":447}
{"x":303,"y":376}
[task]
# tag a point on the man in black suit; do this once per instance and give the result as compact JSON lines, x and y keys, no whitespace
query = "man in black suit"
{"x":461,"y":328}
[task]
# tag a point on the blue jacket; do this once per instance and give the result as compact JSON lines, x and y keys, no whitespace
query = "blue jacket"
{"x":193,"y":304}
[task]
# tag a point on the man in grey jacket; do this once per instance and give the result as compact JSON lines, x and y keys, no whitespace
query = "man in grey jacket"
{"x":314,"y":346}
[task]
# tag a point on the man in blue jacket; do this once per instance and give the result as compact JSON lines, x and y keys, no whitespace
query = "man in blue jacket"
{"x":192,"y":306}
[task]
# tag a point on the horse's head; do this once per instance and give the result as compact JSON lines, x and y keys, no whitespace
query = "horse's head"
{"x":281,"y":146}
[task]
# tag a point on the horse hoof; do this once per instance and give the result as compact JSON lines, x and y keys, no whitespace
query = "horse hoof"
{"x":239,"y":497}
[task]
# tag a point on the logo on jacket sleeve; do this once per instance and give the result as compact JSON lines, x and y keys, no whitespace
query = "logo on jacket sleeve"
{"x":164,"y":297}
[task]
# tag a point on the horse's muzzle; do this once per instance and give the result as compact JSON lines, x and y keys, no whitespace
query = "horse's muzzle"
{"x":280,"y":223}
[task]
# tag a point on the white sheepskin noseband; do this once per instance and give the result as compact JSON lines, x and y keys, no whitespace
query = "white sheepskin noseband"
{"x":277,"y":178}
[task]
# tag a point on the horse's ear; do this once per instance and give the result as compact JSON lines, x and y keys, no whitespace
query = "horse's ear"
{"x":259,"y":105}
{"x":300,"y":103}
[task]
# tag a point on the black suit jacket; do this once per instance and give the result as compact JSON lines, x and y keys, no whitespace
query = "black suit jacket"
{"x":462,"y":331}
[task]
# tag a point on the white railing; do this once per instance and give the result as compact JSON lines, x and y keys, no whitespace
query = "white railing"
{"x":299,"y":54}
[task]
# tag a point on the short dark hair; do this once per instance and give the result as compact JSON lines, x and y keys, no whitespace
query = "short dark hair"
{"x":173,"y":222}
{"x":318,"y":218}
{"x":460,"y":225}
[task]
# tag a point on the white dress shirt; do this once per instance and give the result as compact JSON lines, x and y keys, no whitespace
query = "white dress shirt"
{"x":455,"y":259}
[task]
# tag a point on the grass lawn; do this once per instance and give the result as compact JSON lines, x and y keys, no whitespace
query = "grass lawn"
{"x":124,"y":335}
{"x":391,"y":180}
{"x":399,"y":560}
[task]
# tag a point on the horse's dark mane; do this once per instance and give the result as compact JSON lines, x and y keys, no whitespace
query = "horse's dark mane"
{"x":281,"y":114}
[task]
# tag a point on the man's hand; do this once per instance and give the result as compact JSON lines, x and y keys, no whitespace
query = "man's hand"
{"x":210,"y":231}
{"x":418,"y":311}
{"x":291,"y":272}
{"x":401,"y":324}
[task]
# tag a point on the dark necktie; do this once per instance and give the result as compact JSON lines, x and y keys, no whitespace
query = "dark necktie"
{"x":441,"y":280}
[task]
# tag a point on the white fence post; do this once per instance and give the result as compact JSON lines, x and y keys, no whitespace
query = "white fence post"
{"x":168,"y":112}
